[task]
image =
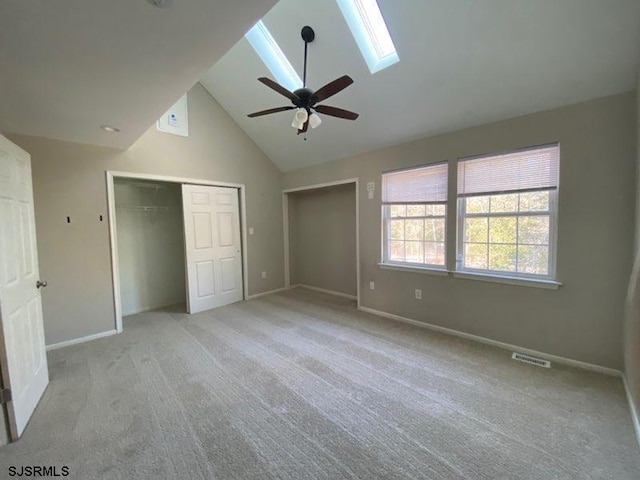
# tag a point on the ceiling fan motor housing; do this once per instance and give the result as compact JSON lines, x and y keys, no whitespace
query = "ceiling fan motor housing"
{"x":305,"y":96}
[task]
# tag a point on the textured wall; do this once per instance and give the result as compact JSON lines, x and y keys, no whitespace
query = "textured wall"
{"x":583,"y":319}
{"x":322,"y":238}
{"x":69,"y":180}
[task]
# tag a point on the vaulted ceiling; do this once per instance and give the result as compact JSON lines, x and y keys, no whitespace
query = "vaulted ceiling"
{"x":462,"y":63}
{"x":69,"y":66}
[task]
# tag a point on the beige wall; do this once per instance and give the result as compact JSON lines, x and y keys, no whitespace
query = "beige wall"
{"x":322,"y":238}
{"x":69,"y":180}
{"x":583,"y":319}
{"x":632,"y":324}
{"x":150,"y":245}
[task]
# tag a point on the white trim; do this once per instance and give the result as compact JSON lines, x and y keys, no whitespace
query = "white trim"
{"x":285,"y":226}
{"x":357,"y":242}
{"x":413,"y":268}
{"x":330,"y":292}
{"x":113,"y":240}
{"x":495,"y":343}
{"x":245,"y":245}
{"x":171,"y":179}
{"x":285,"y":232}
{"x":75,"y":341}
{"x":523,"y":282}
{"x":635,"y":417}
{"x":111,"y":175}
{"x":321,"y":185}
{"x":262,"y":294}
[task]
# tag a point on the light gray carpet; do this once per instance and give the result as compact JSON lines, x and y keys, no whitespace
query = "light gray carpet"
{"x":301,"y":385}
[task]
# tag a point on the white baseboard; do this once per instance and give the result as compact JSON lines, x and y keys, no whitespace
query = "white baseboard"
{"x":324,"y":290}
{"x":262,"y":294}
{"x":75,"y":341}
{"x":635,"y":417}
{"x":495,"y":343}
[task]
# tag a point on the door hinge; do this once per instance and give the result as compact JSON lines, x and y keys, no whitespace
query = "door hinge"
{"x":5,"y":395}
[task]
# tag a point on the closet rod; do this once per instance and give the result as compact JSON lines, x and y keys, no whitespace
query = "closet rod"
{"x":145,"y":207}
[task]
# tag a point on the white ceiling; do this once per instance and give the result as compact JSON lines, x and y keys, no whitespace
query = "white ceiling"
{"x":462,"y":63}
{"x":69,"y":66}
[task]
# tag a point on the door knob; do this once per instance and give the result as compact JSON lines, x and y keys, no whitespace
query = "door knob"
{"x":41,"y":283}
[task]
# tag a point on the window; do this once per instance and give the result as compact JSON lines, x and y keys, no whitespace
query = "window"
{"x":269,"y":51}
{"x":414,"y":213}
{"x":507,"y":208}
{"x":370,"y":32}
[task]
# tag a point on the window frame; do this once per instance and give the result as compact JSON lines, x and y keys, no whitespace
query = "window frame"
{"x":553,"y":235}
{"x":386,"y":235}
{"x":386,"y":217}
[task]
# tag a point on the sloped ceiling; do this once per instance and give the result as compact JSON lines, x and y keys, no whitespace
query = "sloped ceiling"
{"x":462,"y":63}
{"x":69,"y":66}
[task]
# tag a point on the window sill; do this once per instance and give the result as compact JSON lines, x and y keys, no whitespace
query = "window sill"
{"x":483,"y":277}
{"x":524,"y":282}
{"x":413,"y":268}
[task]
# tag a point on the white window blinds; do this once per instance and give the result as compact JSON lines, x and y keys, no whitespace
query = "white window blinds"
{"x":416,"y":185}
{"x":521,"y":171}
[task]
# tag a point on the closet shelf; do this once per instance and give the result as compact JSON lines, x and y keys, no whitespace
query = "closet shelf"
{"x":146,"y":208}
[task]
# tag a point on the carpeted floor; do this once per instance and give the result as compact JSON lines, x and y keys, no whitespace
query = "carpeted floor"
{"x":300,"y":385}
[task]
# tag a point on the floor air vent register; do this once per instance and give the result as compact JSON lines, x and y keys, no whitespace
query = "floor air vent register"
{"x":521,"y":357}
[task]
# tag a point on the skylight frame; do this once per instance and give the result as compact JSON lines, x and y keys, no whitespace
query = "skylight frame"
{"x":272,"y":56}
{"x":370,"y":32}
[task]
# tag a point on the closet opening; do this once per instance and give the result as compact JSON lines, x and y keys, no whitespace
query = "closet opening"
{"x":149,"y":226}
{"x":321,"y":238}
{"x":175,"y":243}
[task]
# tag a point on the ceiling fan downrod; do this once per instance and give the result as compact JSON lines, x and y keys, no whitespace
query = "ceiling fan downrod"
{"x":308,"y":35}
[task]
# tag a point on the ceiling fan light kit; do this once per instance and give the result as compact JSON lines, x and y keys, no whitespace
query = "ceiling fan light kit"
{"x":300,"y":117}
{"x":314,"y":120}
{"x":305,"y":100}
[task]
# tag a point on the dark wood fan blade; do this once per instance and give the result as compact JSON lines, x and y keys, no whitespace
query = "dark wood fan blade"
{"x":304,"y":128}
{"x":271,"y":110}
{"x":332,"y":88}
{"x":336,"y":112}
{"x":280,"y":89}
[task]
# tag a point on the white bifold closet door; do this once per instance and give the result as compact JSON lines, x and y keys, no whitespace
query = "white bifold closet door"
{"x":212,"y":241}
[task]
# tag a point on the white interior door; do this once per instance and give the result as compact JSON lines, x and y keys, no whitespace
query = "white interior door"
{"x":24,"y":360}
{"x":212,"y":246}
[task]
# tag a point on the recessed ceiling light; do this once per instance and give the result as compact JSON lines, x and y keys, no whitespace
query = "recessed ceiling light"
{"x":161,"y":3}
{"x":108,"y":128}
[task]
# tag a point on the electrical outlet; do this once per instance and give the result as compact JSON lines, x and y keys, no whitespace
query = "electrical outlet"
{"x":418,"y":294}
{"x":264,"y":274}
{"x":250,"y":230}
{"x":372,"y":285}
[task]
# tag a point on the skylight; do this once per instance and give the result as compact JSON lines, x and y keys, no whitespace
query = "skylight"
{"x":370,"y":32}
{"x":268,"y":50}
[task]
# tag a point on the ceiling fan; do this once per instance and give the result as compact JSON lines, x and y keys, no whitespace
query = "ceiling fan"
{"x":305,"y":100}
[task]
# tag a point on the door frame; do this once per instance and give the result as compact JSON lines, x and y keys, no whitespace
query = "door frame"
{"x":113,"y":236}
{"x":285,"y":226}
